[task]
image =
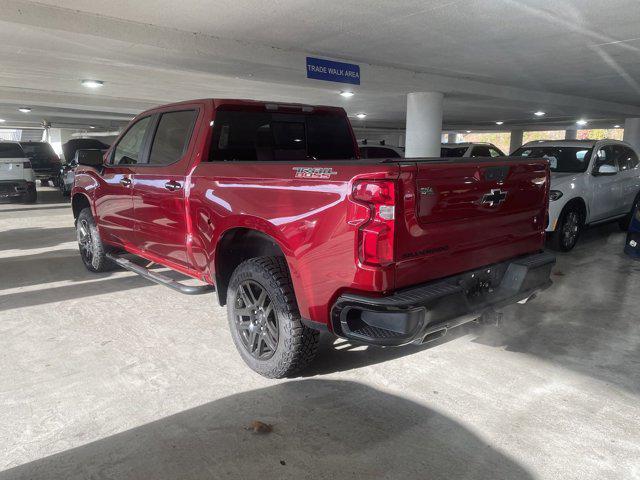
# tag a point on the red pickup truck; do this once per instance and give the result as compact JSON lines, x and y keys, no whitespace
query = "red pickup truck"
{"x":270,"y":205}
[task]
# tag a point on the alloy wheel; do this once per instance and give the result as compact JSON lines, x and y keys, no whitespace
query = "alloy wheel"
{"x":85,"y":241}
{"x":255,"y":320}
{"x":570,"y":229}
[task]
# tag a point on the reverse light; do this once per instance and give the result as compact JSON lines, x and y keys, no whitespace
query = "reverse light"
{"x":376,"y":236}
{"x":555,"y":195}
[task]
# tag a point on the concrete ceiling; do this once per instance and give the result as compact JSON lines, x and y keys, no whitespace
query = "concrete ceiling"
{"x":494,"y":60}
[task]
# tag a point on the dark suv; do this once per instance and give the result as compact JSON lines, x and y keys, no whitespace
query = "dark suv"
{"x":45,"y":161}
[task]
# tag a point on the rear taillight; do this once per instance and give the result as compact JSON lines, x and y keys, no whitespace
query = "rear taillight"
{"x":26,"y":165}
{"x":376,"y":236}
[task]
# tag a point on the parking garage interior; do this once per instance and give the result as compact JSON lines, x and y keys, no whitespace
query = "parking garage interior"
{"x":110,"y":375}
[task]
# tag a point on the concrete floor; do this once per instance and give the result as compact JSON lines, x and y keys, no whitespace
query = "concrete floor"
{"x":110,"y":376}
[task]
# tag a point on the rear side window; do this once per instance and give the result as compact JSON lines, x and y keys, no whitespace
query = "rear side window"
{"x":129,"y":148}
{"x":453,"y":152}
{"x":495,"y":152}
{"x":172,"y":137}
{"x":378,"y":152}
{"x":627,"y":159}
{"x":481,"y":151}
{"x":37,"y":149}
{"x":264,"y":136}
{"x":11,"y":150}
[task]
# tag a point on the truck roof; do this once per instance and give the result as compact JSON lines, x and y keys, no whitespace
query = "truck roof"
{"x":247,"y":104}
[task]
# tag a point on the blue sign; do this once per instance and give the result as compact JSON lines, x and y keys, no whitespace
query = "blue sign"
{"x":331,"y":71}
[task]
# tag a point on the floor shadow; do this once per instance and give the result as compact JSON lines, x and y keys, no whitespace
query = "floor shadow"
{"x":36,"y":208}
{"x":321,"y":429}
{"x":36,"y":237}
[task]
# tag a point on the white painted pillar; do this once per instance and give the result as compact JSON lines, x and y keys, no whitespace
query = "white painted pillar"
{"x":424,"y":124}
{"x":570,"y":134}
{"x":515,"y":141}
{"x":452,"y":138}
{"x":632,"y":132}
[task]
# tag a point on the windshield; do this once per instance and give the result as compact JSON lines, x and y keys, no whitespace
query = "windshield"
{"x":11,"y":150}
{"x":264,"y":136}
{"x":452,"y":152}
{"x":561,"y":159}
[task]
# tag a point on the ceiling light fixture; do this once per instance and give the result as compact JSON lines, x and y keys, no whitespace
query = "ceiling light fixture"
{"x":468,"y":131}
{"x":92,"y":83}
{"x":616,"y":126}
{"x":347,"y":94}
{"x":2,"y":120}
{"x":92,"y":126}
{"x":499,"y":123}
{"x":24,"y":109}
{"x":582,"y":122}
{"x":361,"y":115}
{"x":539,"y":113}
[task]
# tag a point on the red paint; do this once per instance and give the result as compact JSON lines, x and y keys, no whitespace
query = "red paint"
{"x":317,"y":222}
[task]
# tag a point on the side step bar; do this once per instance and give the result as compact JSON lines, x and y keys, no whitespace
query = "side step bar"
{"x":160,"y":278}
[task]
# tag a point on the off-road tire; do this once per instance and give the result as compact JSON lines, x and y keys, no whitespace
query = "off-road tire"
{"x":97,"y":261}
{"x":558,"y":239}
{"x":297,"y":344}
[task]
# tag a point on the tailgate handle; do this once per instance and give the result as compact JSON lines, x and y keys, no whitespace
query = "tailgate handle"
{"x":496,"y":174}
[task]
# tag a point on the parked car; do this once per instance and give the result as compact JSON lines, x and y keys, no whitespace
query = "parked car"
{"x":273,"y":207}
{"x":17,"y":178}
{"x":632,"y":245}
{"x":592,"y":182}
{"x":379,"y":150}
{"x":44,"y":160}
{"x":475,"y":149}
{"x":70,"y":149}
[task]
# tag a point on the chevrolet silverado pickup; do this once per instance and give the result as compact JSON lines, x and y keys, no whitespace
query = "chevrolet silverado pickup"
{"x":270,"y":205}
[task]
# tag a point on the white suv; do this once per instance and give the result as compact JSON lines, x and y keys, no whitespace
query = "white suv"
{"x":592,"y":181}
{"x":17,"y":178}
{"x":469,"y":149}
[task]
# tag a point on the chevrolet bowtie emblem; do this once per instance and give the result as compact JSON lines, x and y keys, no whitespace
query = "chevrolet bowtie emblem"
{"x":496,"y":197}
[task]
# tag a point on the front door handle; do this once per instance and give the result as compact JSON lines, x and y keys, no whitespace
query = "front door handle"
{"x":172,"y":186}
{"x":125,"y":182}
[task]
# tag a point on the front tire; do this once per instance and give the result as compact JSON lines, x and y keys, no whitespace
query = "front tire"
{"x":264,"y":320}
{"x":568,"y":231}
{"x":92,"y":250}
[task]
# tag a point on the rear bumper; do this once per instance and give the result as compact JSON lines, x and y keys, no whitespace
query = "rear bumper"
{"x":46,"y":173}
{"x":414,"y":314}
{"x":14,"y":188}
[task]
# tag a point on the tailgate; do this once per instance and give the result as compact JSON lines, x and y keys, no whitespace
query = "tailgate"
{"x":463,"y":214}
{"x":12,"y":169}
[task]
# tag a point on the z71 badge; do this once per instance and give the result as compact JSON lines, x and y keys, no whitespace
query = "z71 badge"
{"x":311,"y":172}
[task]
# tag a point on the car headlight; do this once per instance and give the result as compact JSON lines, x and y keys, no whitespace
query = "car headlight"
{"x":555,"y":195}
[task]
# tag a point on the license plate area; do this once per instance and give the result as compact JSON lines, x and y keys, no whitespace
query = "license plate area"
{"x":480,"y":284}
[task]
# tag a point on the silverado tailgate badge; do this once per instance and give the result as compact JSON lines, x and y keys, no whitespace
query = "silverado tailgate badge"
{"x":314,"y":172}
{"x":496,"y":197}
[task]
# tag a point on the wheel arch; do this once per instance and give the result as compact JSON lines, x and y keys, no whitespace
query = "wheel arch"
{"x":79,"y":202}
{"x":581,"y":204}
{"x":234,"y":247}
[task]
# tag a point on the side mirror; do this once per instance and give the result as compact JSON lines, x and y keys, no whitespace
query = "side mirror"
{"x":89,"y":158}
{"x":606,"y":169}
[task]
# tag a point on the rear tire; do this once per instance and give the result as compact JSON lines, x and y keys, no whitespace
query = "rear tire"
{"x":92,"y":250}
{"x":264,"y":320}
{"x":31,"y":195}
{"x":568,"y":230}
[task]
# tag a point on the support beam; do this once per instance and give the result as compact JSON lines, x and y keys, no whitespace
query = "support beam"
{"x":424,"y":124}
{"x":570,"y":134}
{"x":452,"y":137}
{"x":632,"y":132}
{"x":515,"y":141}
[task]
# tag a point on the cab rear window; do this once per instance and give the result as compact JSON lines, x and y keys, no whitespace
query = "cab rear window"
{"x":11,"y":150}
{"x":265,"y":136}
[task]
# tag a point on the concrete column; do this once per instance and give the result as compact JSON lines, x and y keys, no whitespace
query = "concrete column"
{"x":632,"y":132}
{"x":570,"y":134}
{"x":515,"y":141}
{"x":452,"y":137}
{"x":424,"y":124}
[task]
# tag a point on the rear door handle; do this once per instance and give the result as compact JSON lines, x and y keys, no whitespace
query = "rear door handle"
{"x":125,"y":182}
{"x":172,"y":186}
